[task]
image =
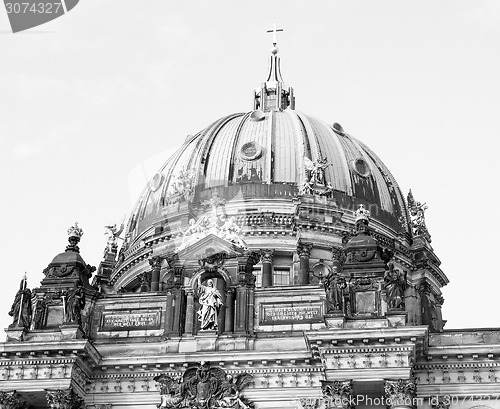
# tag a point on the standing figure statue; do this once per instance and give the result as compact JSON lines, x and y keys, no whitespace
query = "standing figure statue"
{"x":337,"y":293}
{"x":21,"y":309}
{"x":210,"y":301}
{"x":395,"y":285}
{"x":75,"y":302}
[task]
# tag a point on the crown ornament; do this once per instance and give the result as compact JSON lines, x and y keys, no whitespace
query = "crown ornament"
{"x":362,"y":214}
{"x":75,"y":233}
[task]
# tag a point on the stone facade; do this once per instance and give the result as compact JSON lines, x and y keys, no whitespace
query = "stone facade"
{"x":316,"y":278}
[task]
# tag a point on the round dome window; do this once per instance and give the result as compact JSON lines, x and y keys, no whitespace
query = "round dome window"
{"x":251,"y":151}
{"x":360,"y":167}
{"x":156,"y":182}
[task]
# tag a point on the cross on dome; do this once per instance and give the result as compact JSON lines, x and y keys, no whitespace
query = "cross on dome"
{"x":274,"y":30}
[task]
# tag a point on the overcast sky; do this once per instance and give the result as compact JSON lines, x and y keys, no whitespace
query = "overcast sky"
{"x":93,"y":102}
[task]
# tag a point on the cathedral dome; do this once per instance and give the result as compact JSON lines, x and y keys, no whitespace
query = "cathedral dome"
{"x":262,"y":162}
{"x":270,"y":157}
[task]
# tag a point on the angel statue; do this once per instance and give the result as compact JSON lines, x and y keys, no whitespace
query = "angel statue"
{"x":113,"y":234}
{"x":210,"y":300}
{"x":316,"y":170}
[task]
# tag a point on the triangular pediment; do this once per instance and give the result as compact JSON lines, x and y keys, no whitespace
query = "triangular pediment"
{"x":208,"y":246}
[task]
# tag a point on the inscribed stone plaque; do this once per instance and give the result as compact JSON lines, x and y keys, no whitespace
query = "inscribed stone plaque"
{"x":365,"y":302}
{"x":290,"y":313}
{"x":126,"y":320}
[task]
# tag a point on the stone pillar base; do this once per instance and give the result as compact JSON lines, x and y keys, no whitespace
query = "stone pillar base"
{"x":15,"y":334}
{"x":71,"y":331}
{"x":335,"y":320}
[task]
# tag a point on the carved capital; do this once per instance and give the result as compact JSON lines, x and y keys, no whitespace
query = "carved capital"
{"x":67,"y":399}
{"x":424,"y":288}
{"x":439,"y":300}
{"x":304,"y":249}
{"x":400,"y":393}
{"x":266,"y":256}
{"x":337,"y":394}
{"x":11,"y":400}
{"x":155,"y":262}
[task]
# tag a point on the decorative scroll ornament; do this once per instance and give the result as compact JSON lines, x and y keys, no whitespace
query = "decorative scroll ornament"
{"x":12,"y":400}
{"x":338,"y":394}
{"x":400,"y":393}
{"x":204,"y":388}
{"x":60,"y":399}
{"x":417,"y":212}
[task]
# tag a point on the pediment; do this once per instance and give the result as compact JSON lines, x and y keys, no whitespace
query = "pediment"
{"x":208,"y":246}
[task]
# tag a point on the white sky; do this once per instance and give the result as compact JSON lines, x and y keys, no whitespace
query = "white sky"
{"x":91,"y":104}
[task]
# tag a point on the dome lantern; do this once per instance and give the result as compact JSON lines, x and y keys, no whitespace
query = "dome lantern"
{"x":274,"y":94}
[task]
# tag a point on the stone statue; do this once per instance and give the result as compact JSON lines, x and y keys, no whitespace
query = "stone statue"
{"x":417,"y":212}
{"x":21,"y":309}
{"x":395,"y":285}
{"x":74,"y":302}
{"x":113,"y":234}
{"x":39,"y":316}
{"x":335,"y":287}
{"x":316,"y":170}
{"x":210,"y":300}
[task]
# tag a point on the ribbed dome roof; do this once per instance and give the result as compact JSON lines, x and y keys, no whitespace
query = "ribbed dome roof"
{"x":264,"y":161}
{"x":271,"y":148}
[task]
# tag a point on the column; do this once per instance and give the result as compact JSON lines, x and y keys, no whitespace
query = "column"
{"x":178,"y":303}
{"x":229,"y":324}
{"x":241,"y":310}
{"x":304,"y":252}
{"x":188,"y":329}
{"x":400,"y":394}
{"x":155,"y":263}
{"x":267,"y":268}
{"x":337,"y":394}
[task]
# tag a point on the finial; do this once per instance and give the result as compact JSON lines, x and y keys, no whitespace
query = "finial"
{"x":362,"y":214}
{"x":75,"y":233}
{"x":274,"y":94}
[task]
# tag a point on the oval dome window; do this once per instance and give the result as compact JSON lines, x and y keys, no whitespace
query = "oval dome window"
{"x":360,"y":167}
{"x":251,"y":151}
{"x":156,"y":182}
